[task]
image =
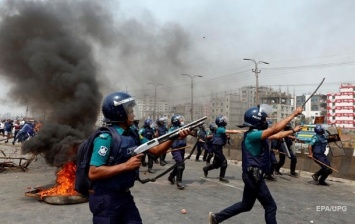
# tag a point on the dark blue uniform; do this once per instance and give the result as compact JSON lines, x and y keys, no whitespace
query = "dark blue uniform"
{"x":178,"y":156}
{"x":255,"y":162}
{"x":148,"y":133}
{"x":207,"y":156}
{"x":280,"y":146}
{"x":162,"y":130}
{"x":319,"y":143}
{"x":111,"y":201}
{"x":201,"y":144}
{"x":219,"y":140}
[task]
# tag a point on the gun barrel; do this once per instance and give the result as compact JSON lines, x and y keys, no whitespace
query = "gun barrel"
{"x":168,"y":136}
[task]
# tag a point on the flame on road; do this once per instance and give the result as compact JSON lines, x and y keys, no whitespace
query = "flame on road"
{"x":65,"y":182}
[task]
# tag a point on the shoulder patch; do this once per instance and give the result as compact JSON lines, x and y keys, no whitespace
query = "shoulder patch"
{"x":104,"y":135}
{"x":103,"y":150}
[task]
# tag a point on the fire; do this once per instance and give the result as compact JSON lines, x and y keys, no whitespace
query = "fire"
{"x":65,"y":182}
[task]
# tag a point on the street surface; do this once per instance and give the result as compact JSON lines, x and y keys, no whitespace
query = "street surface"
{"x":298,"y":199}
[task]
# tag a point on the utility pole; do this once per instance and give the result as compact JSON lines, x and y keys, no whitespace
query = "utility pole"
{"x":256,"y":71}
{"x":192,"y":93}
{"x":155,"y":98}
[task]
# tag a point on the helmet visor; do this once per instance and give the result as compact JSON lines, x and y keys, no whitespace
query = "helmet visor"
{"x":129,"y":106}
{"x":266,"y":109}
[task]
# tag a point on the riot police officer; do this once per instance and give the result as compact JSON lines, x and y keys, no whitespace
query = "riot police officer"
{"x":208,"y":155}
{"x":111,"y":200}
{"x":316,"y":149}
{"x":178,"y":154}
{"x":147,"y":131}
{"x":201,"y":142}
{"x":255,"y":161}
{"x":219,"y":140}
{"x":281,"y":145}
{"x":161,"y":130}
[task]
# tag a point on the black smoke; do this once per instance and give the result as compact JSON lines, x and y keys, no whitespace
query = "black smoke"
{"x":60,"y":57}
{"x":47,"y":58}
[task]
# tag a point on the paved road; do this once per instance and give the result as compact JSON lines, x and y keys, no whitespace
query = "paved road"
{"x":161,"y":203}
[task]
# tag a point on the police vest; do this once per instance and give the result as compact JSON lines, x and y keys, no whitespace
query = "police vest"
{"x":148,"y":133}
{"x":178,"y":143}
{"x":162,"y":130}
{"x":320,"y":145}
{"x":125,"y":179}
{"x":209,"y":140}
{"x":218,"y":138}
{"x":261,"y":161}
{"x":202,"y":135}
{"x":288,"y":142}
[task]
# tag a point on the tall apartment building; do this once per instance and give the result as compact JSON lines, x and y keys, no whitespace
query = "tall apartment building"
{"x":229,"y":105}
{"x":145,"y":108}
{"x":341,"y":106}
{"x":247,"y":94}
{"x":281,"y":102}
{"x":316,"y":106}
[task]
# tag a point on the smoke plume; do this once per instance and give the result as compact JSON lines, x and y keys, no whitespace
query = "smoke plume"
{"x":60,"y":57}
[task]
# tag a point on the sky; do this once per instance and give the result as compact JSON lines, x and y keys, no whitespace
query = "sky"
{"x":153,"y":41}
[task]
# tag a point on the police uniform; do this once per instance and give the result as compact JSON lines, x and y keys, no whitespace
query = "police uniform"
{"x":282,"y":155}
{"x":148,"y":133}
{"x":162,"y":130}
{"x":255,"y":162}
{"x":208,"y":154}
{"x":201,"y":144}
{"x":219,"y":140}
{"x":319,"y":143}
{"x":178,"y":157}
{"x":111,"y":200}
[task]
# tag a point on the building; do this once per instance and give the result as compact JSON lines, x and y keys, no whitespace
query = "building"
{"x":146,"y":105}
{"x":247,"y":94}
{"x":229,"y":105}
{"x":341,"y":106}
{"x":281,"y":102}
{"x":316,"y":106}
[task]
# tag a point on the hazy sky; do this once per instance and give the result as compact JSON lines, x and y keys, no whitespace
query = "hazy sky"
{"x":151,"y":41}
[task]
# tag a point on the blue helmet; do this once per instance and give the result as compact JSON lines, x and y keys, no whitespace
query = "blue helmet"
{"x":177,"y":120}
{"x":318,"y":129}
{"x":161,"y":121}
{"x":115,"y":106}
{"x":221,"y":121}
{"x":148,"y":123}
{"x":213,"y":127}
{"x":255,"y":117}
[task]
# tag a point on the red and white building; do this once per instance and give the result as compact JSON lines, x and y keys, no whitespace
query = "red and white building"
{"x":341,"y":106}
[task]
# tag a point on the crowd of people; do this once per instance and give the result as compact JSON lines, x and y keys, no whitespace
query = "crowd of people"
{"x":111,"y":201}
{"x":18,"y":130}
{"x":110,"y":198}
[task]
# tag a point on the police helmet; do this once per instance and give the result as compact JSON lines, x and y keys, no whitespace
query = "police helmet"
{"x":161,"y":121}
{"x":221,"y":121}
{"x":177,"y":120}
{"x":318,"y":129}
{"x":213,"y":127}
{"x":115,"y":107}
{"x":148,"y":123}
{"x":255,"y":117}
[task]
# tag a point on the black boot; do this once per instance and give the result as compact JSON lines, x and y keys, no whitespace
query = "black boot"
{"x":179,"y":184}
{"x":171,"y":178}
{"x":205,"y":170}
{"x":150,"y":164}
{"x":222,"y":173}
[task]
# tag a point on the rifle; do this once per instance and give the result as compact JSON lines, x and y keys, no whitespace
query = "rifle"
{"x":168,"y":136}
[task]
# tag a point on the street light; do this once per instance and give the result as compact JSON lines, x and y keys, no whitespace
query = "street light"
{"x":256,"y":71}
{"x":192,"y":92}
{"x":155,"y":97}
